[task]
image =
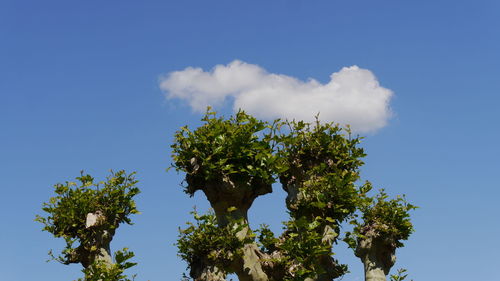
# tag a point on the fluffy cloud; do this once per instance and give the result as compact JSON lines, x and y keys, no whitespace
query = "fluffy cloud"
{"x":352,"y":96}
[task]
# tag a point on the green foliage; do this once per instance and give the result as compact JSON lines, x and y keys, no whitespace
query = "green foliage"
{"x":268,"y":242}
{"x":67,"y":214}
{"x":388,"y":218}
{"x":317,"y":164}
{"x":68,"y":210}
{"x":100,"y":271}
{"x":304,"y":244}
{"x":238,"y":148}
{"x":323,"y":160}
{"x":400,"y":275}
{"x":216,"y":245}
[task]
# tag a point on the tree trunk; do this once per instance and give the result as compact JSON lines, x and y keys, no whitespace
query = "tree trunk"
{"x":248,"y":267}
{"x":104,"y":255}
{"x":377,"y":254}
{"x":231,"y":201}
{"x":373,"y":271}
{"x":329,"y":266}
{"x":101,"y":240}
{"x":201,"y":271}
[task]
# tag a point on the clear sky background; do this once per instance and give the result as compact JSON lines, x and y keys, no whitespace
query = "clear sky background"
{"x":80,"y":90}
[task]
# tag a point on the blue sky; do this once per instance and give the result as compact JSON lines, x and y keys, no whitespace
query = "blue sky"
{"x":79,"y":88}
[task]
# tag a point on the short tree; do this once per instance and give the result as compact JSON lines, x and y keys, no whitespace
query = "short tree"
{"x":86,"y":215}
{"x":233,"y":161}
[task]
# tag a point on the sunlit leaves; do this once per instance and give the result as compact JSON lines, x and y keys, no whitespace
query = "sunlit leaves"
{"x":322,"y":159}
{"x":317,"y":164}
{"x":238,"y":148}
{"x":205,"y":240}
{"x":67,"y":211}
{"x":400,"y":275}
{"x":109,"y":202}
{"x":388,"y":218}
{"x":99,"y":271}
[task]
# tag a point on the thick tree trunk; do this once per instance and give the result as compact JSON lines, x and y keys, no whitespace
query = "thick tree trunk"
{"x":374,"y":271}
{"x":231,"y":201}
{"x":329,"y":266}
{"x":249,"y":267}
{"x":104,"y":255}
{"x":225,"y":194}
{"x":377,"y":254}
{"x":201,"y":271}
{"x":100,"y":242}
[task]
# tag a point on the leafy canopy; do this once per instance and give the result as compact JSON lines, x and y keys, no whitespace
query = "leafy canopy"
{"x":204,"y":239}
{"x":323,"y":161}
{"x":238,"y":148}
{"x":383,"y":217}
{"x":316,"y":163}
{"x":100,"y":271}
{"x":68,"y":210}
{"x":389,"y":217}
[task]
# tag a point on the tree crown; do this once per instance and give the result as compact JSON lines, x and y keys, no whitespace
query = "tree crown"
{"x":111,"y":202}
{"x":237,"y":149}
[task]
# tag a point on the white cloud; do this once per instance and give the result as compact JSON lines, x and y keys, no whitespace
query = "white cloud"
{"x":352,"y":96}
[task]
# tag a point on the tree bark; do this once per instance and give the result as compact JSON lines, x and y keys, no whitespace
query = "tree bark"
{"x":202,"y":271}
{"x":231,"y":201}
{"x":224,"y":194}
{"x":248,"y":267}
{"x":377,"y":254}
{"x":326,"y":262}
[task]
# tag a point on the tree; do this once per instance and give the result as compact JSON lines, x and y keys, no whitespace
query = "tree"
{"x":385,"y":223}
{"x":88,"y":213}
{"x":233,"y":161}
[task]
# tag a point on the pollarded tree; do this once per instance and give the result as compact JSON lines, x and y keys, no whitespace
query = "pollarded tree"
{"x":320,"y":168}
{"x":236,"y":160}
{"x":385,"y":223}
{"x":86,"y":215}
{"x":232,"y":162}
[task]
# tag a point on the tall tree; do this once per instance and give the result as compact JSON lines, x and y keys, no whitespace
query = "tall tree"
{"x":233,"y":161}
{"x":385,"y":223}
{"x":86,"y":215}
